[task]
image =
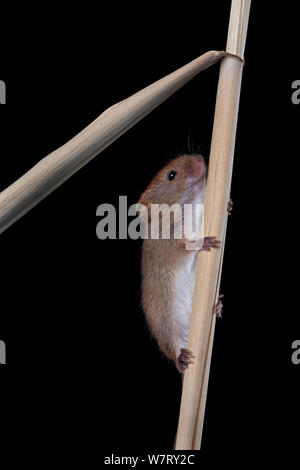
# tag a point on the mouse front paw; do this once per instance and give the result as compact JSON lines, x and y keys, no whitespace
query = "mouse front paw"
{"x":205,"y":244}
{"x":211,"y":242}
{"x":184,"y":359}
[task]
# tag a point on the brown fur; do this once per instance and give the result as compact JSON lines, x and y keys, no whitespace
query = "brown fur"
{"x":162,"y":258}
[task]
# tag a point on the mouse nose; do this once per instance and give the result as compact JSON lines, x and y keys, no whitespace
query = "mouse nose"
{"x":197,"y":166}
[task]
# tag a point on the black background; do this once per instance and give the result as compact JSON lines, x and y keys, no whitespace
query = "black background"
{"x":83,"y":375}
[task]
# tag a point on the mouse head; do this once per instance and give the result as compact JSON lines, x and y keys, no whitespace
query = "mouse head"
{"x":181,"y":181}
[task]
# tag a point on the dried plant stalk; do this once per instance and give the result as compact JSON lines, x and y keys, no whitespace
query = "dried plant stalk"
{"x":215,"y":209}
{"x":59,"y":165}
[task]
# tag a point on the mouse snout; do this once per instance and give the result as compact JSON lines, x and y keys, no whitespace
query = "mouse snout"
{"x":197,"y":168}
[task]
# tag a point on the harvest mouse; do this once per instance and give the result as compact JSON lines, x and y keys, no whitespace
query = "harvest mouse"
{"x":169,"y":265}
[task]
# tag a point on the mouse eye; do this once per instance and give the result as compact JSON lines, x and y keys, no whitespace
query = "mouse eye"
{"x":171,"y":175}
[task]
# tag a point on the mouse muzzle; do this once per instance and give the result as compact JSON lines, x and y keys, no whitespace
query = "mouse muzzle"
{"x":197,"y":169}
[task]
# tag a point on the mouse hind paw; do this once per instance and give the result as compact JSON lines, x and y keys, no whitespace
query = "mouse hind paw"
{"x":184,"y":359}
{"x":219,"y":307}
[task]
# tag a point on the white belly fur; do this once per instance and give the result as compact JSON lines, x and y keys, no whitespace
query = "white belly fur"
{"x":184,"y":288}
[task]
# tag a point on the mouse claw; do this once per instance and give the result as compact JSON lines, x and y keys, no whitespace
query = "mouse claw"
{"x":184,"y":359}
